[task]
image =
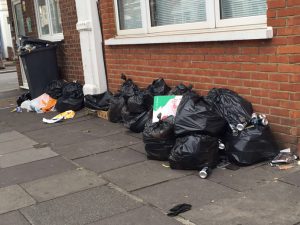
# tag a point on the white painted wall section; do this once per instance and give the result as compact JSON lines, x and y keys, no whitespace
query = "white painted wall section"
{"x":91,"y":47}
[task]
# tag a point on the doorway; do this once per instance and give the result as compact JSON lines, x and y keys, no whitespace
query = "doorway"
{"x":19,"y":30}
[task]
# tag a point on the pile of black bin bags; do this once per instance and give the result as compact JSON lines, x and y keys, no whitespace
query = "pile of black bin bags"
{"x":197,"y":128}
{"x":130,"y":105}
{"x":255,"y":143}
{"x":201,"y":124}
{"x":69,"y":95}
{"x":133,"y":106}
{"x":191,"y":139}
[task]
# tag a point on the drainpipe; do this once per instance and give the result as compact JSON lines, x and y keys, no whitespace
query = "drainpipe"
{"x":91,"y":40}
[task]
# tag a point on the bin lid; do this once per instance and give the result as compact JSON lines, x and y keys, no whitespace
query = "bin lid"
{"x":48,"y":48}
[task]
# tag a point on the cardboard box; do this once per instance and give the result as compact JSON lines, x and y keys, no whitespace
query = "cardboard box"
{"x":102,"y":114}
{"x":166,"y":105}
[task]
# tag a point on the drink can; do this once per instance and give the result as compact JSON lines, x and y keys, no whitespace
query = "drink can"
{"x":241,"y":126}
{"x":264,"y":122}
{"x":204,"y":173}
{"x":221,"y":146}
{"x":262,"y":116}
{"x":254,"y":115}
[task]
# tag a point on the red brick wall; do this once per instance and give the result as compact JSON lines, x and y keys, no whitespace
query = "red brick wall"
{"x":69,"y":52}
{"x":266,"y":72}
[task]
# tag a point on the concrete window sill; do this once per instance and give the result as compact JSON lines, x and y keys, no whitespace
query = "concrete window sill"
{"x":207,"y":36}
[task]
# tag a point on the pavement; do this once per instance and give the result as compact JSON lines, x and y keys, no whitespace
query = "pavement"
{"x":9,"y":87}
{"x":88,"y":171}
{"x":8,"y":81}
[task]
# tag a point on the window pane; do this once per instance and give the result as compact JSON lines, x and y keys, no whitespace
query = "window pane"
{"x":242,"y":8}
{"x":130,"y":14}
{"x":55,"y":16}
{"x":43,"y":17}
{"x":20,"y":19}
{"x":167,"y":12}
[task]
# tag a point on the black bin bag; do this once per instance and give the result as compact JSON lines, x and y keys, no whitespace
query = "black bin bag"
{"x":193,"y":152}
{"x":135,"y":121}
{"x":232,"y":107}
{"x":158,"y":87}
{"x":128,"y":88}
{"x":252,"y":145}
{"x":180,"y":89}
{"x":72,"y":98}
{"x":55,"y":88}
{"x":136,"y":103}
{"x":159,"y":138}
{"x":23,"y":98}
{"x":195,"y":114}
{"x":117,"y":102}
{"x":98,"y":102}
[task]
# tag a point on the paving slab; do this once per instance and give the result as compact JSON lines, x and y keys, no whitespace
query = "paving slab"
{"x":106,"y":128}
{"x":142,"y":175}
{"x":273,"y":203}
{"x":98,"y":145}
{"x":16,"y":145}
{"x":94,"y":127}
{"x":111,"y":160}
{"x":13,"y":218}
{"x":25,"y":156}
{"x":102,"y":122}
{"x":9,"y":103}
{"x":60,"y":135}
{"x":242,"y":179}
{"x":8,"y":80}
{"x":140,"y":147}
{"x":140,"y":216}
{"x":11,"y":94}
{"x":293,"y":178}
{"x":14,"y":197}
{"x":137,"y":135}
{"x":10,"y":136}
{"x":191,"y":189}
{"x":62,"y":184}
{"x":26,"y":122}
{"x":35,"y":170}
{"x":5,"y":128}
{"x":280,"y":173}
{"x":80,"y":208}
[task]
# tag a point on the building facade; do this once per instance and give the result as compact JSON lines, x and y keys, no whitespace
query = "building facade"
{"x":6,"y":40}
{"x":251,"y":47}
{"x":265,"y":71}
{"x":62,"y":28}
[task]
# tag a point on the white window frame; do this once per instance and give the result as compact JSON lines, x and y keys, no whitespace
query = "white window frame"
{"x":241,"y":21}
{"x":214,"y":29}
{"x":51,"y":36}
{"x":142,"y":30}
{"x":209,"y":23}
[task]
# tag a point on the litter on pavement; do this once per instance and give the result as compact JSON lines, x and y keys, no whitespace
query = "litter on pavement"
{"x":181,"y":208}
{"x":62,"y":116}
{"x":285,"y":160}
{"x":190,"y":131}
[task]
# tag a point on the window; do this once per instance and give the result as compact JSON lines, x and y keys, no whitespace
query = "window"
{"x":155,"y":17}
{"x":130,"y":14}
{"x":49,"y":19}
{"x":19,"y":19}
